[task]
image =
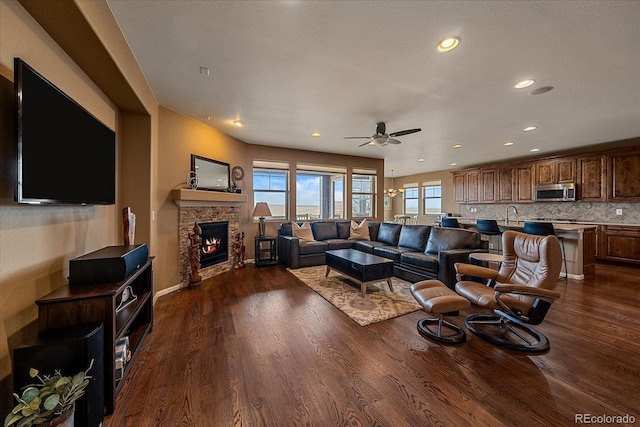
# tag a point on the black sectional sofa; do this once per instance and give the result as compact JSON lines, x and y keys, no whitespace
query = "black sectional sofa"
{"x":419,"y":252}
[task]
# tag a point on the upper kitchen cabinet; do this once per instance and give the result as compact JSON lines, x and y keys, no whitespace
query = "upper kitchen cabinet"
{"x":488,"y":192}
{"x":525,"y":177}
{"x":506,"y":183}
{"x":624,"y":176}
{"x":556,"y":171}
{"x":466,"y":186}
{"x":592,"y":178}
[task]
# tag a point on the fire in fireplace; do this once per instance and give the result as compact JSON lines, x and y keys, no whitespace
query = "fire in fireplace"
{"x":215,"y":243}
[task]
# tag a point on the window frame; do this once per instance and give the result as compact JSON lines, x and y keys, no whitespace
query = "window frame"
{"x":373,"y":193}
{"x":425,"y":187}
{"x":276,"y":170}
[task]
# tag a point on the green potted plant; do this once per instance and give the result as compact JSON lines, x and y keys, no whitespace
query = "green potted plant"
{"x":50,"y":403}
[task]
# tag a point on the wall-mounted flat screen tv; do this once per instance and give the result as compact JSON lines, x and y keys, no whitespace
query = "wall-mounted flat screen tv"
{"x":65,"y":155}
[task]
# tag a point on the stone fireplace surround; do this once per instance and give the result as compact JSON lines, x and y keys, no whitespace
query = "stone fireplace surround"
{"x":205,"y":206}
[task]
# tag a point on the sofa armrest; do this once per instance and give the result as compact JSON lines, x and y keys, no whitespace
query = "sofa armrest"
{"x":289,"y":251}
{"x":446,"y":264}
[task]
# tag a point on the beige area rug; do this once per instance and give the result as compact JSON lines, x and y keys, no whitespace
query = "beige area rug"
{"x":344,"y":293}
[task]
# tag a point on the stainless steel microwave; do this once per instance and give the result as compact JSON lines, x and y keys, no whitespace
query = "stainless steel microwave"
{"x":555,"y":193}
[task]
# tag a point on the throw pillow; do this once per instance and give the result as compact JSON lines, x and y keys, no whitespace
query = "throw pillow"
{"x":302,"y":232}
{"x":359,"y":231}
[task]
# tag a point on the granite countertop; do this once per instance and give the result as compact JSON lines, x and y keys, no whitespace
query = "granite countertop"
{"x":519,"y":224}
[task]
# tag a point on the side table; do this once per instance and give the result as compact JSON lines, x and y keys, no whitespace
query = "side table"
{"x":266,"y":250}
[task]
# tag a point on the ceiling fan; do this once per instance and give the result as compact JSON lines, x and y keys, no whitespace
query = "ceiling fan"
{"x":381,"y":137}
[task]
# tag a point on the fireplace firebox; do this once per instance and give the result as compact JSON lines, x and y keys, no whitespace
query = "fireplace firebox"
{"x":215,"y":243}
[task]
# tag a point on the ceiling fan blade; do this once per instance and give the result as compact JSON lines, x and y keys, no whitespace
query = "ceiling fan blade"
{"x":357,"y":137}
{"x":405,"y":132}
{"x":369,"y":142}
{"x":392,"y":141}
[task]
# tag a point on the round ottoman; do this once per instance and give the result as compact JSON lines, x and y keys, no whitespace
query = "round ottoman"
{"x":436,"y":298}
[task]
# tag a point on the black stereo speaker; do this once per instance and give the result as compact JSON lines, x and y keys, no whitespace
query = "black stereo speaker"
{"x":108,"y":265}
{"x":68,"y":350}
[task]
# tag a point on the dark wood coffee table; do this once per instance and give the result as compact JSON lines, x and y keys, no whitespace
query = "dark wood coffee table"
{"x":361,"y":266}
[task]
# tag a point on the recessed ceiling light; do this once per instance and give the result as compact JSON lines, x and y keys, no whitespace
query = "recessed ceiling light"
{"x":316,"y":134}
{"x":457,"y":146}
{"x":453,"y":164}
{"x":421,"y":160}
{"x":448,"y":43}
{"x":534,"y":150}
{"x":206,"y":117}
{"x":508,"y":143}
{"x":530,"y":128}
{"x":238,"y":123}
{"x":204,"y":71}
{"x":524,"y":83}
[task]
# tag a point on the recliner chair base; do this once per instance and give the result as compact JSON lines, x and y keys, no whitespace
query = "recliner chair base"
{"x":424,"y":329}
{"x":504,"y":332}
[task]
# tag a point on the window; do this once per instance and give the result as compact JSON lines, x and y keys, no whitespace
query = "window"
{"x":319,"y":192}
{"x":270,"y":184}
{"x":432,"y":192}
{"x":363,"y":193}
{"x":411,"y":199}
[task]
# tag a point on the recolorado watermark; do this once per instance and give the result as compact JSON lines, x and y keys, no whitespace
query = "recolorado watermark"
{"x":604,"y":419}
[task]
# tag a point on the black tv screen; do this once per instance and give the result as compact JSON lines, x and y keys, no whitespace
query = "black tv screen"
{"x":65,"y":155}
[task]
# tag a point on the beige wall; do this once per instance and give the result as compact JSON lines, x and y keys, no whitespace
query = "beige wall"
{"x":36,"y":242}
{"x":179,"y":137}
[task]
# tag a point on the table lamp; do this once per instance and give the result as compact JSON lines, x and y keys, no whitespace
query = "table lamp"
{"x":261,"y":210}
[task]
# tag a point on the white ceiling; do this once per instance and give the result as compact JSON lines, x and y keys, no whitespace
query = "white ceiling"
{"x":290,"y":68}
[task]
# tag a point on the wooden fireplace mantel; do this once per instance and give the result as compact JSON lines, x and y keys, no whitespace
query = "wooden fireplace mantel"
{"x":184,"y":197}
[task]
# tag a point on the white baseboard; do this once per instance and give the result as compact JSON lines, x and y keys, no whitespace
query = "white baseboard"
{"x":166,"y":291}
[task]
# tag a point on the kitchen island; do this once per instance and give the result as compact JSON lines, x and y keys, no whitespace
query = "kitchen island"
{"x":579,"y":244}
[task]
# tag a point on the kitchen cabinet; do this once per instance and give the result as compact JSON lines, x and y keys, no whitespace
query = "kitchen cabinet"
{"x":473,"y":186}
{"x":466,"y":186}
{"x":546,"y":172}
{"x":459,"y":187}
{"x":556,"y":171}
{"x":488,"y":193}
{"x":525,"y":177}
{"x":592,"y":178}
{"x":505,"y":182}
{"x":624,"y":176}
{"x":621,"y":243}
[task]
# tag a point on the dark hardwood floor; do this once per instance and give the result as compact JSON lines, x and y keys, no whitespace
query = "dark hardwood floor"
{"x":257,"y":347}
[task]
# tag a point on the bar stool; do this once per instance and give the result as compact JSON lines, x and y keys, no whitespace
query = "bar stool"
{"x":489,"y":227}
{"x":546,"y":229}
{"x":450,"y":222}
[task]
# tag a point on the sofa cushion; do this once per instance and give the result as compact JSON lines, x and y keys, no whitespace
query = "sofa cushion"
{"x":344,"y":229}
{"x":303,"y":232}
{"x":442,"y":239}
{"x":414,"y":237}
{"x":359,"y":231}
{"x":427,"y":262}
{"x":391,"y":252}
{"x":307,"y":248}
{"x":339,"y":243}
{"x":366,"y":245}
{"x":324,"y":230}
{"x":374,"y":227}
{"x":389,"y":233}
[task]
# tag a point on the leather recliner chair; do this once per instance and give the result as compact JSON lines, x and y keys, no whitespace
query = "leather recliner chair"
{"x":522,"y":294}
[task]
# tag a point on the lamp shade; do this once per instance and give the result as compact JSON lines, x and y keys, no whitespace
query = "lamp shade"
{"x":261,"y":209}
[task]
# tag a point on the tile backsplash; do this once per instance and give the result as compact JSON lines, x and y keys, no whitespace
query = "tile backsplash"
{"x":582,"y":211}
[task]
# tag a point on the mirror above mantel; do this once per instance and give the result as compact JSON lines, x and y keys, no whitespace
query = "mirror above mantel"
{"x":213,"y":175}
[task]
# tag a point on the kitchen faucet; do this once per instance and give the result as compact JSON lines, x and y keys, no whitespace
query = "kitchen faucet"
{"x":515,"y":211}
